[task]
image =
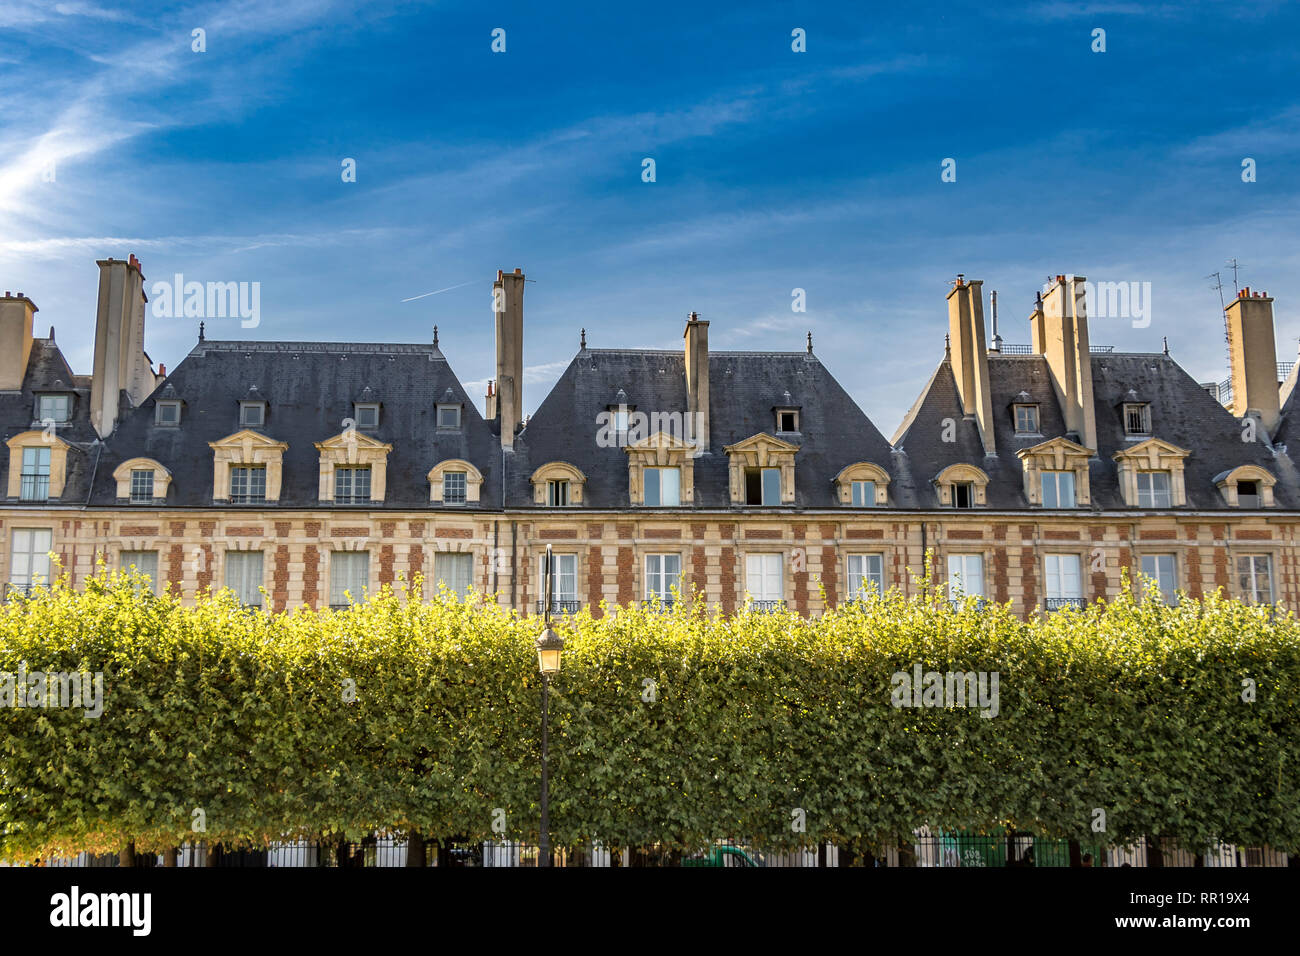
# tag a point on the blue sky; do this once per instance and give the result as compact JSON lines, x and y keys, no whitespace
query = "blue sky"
{"x":775,"y":170}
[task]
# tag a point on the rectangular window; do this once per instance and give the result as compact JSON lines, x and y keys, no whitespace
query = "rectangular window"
{"x":248,"y":484}
{"x":349,"y":577}
{"x":787,"y":421}
{"x":763,"y":579}
{"x":1027,"y":419}
{"x":454,"y":569}
{"x":367,"y":416}
{"x":168,"y":413}
{"x":252,"y":414}
{"x":662,"y":486}
{"x":1058,"y":489}
{"x":557,"y":493}
{"x":1162,"y":569}
{"x":453,"y":487}
{"x":145,"y":562}
{"x":1255,"y":578}
{"x":1153,"y":489}
{"x":29,"y":558}
{"x":141,"y":486}
{"x":1137,"y":419}
{"x":864,"y":494}
{"x":620,"y":415}
{"x":963,"y":495}
{"x":1248,"y":494}
{"x":762,"y":486}
{"x":564,"y":582}
{"x":35,"y":485}
{"x":56,"y":408}
{"x":1061,"y":580}
{"x":663,"y":572}
{"x":449,"y":416}
{"x":244,"y":576}
{"x":351,"y":485}
{"x":866,"y":574}
{"x":965,"y":576}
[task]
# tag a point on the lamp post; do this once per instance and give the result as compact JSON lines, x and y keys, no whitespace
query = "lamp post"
{"x":549,"y":646}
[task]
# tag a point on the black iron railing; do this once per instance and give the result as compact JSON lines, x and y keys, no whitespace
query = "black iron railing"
{"x":560,"y":607}
{"x":1057,"y":603}
{"x":766,"y":607}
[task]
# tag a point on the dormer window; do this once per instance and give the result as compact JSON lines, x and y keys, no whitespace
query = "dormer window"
{"x":252,"y":414}
{"x":55,"y":408}
{"x":963,"y":494}
{"x":787,"y":420}
{"x":619,"y":415}
{"x":1137,"y":419}
{"x":1026,"y":419}
{"x":167,"y":414}
{"x":449,"y":415}
{"x":366,"y":415}
{"x":1248,"y":494}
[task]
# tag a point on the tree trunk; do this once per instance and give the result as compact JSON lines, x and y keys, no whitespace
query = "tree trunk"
{"x":1076,"y":854}
{"x":1155,"y":856}
{"x":126,"y":857}
{"x":169,"y":856}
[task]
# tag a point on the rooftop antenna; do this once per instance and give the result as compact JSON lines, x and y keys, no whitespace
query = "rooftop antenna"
{"x":997,"y":339}
{"x":1235,"y":266}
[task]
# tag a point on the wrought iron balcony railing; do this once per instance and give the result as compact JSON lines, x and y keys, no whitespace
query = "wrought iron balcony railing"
{"x":23,"y":590}
{"x":666,"y":601}
{"x":766,"y":607}
{"x":559,"y":607}
{"x":1057,"y":603}
{"x":34,"y":488}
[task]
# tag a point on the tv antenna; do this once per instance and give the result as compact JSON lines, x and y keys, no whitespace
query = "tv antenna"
{"x":1236,"y":289}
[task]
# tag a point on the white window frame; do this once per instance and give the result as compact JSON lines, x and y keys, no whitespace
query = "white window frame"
{"x":349,"y":572}
{"x":1163,"y":569}
{"x":965,"y":576}
{"x":663,"y":572}
{"x":141,"y":486}
{"x":29,"y":556}
{"x":346,"y":480}
{"x":61,"y":397}
{"x":1062,"y":577}
{"x":1031,"y":412}
{"x":246,"y":592}
{"x":456,"y":498}
{"x":1055,"y":480}
{"x":161,"y":407}
{"x":863,"y":493}
{"x":1150,"y":497}
{"x":358,"y":408}
{"x":557,"y":489}
{"x":1249,"y":580}
{"x":564,"y":583}
{"x":662,"y":487}
{"x":31,"y":488}
{"x":764,"y":576}
{"x":864,"y":571}
{"x":1143,"y":411}
{"x":457,"y":571}
{"x":145,"y":562}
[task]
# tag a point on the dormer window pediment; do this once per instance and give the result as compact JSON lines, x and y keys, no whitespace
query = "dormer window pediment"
{"x":349,"y":461}
{"x":761,"y":470}
{"x":245,"y":450}
{"x":1246,"y":486}
{"x":1056,"y":473}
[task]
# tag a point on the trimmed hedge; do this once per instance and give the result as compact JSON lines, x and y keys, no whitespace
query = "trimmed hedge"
{"x":1130,"y":707}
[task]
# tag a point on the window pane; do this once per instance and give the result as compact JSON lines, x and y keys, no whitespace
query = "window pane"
{"x":663,"y":573}
{"x":453,"y":487}
{"x":145,"y":562}
{"x":866,"y":571}
{"x":142,"y":485}
{"x":564,"y":585}
{"x":29,"y":561}
{"x":763,"y":577}
{"x":771,"y":486}
{"x":651,"y":481}
{"x":449,"y":416}
{"x":1062,"y":573}
{"x":244,"y":576}
{"x":864,"y":494}
{"x":670,"y":487}
{"x":965,"y":575}
{"x":349,"y":575}
{"x":456,"y":570}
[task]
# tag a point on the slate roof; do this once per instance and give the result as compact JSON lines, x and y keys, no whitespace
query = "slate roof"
{"x":1182,"y":413}
{"x":309,"y":388}
{"x":744,"y":387}
{"x":48,"y":371}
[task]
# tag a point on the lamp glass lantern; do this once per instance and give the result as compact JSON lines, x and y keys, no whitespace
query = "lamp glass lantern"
{"x":549,"y":646}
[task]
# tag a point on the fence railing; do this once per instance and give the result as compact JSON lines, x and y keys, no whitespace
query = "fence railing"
{"x":927,"y":848}
{"x":560,"y":607}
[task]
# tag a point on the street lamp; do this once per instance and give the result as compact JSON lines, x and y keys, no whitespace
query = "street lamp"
{"x":549,"y":647}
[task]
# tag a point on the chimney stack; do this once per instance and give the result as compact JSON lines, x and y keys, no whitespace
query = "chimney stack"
{"x":1063,"y":341}
{"x":1252,"y":355}
{"x":120,"y":363}
{"x":508,"y":303}
{"x":490,"y":402}
{"x":16,"y":313}
{"x":969,"y":357}
{"x":697,"y":380}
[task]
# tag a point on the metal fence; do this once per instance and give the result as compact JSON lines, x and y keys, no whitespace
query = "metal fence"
{"x":927,"y":848}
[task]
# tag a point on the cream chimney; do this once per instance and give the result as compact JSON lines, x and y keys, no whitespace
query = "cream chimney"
{"x":970,"y":361}
{"x":697,"y":380}
{"x":508,"y":304}
{"x":120,"y":363}
{"x":1252,"y":355}
{"x":16,"y":313}
{"x":1064,"y":319}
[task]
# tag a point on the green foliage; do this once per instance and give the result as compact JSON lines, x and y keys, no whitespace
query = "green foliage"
{"x":674,"y":727}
